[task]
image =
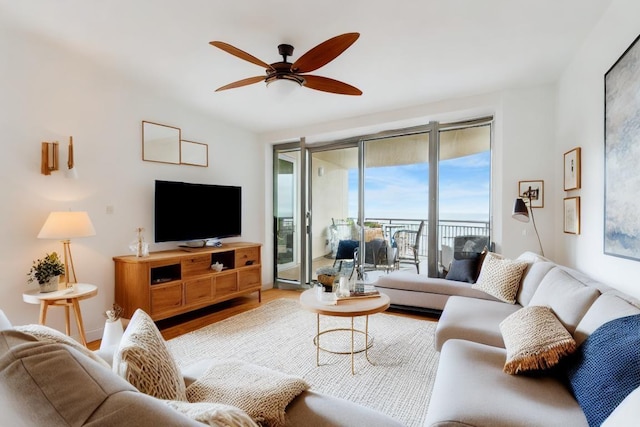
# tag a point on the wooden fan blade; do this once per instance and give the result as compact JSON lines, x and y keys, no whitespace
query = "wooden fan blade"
{"x":243,"y":82}
{"x":324,"y":53}
{"x":326,"y":84}
{"x":240,"y":54}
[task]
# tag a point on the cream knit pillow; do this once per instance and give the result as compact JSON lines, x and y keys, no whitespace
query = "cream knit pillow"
{"x":500,"y":277}
{"x":534,"y":339}
{"x":261,"y":392}
{"x":144,"y":360}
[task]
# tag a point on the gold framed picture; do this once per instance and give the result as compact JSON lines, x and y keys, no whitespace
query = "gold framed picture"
{"x":572,"y":215}
{"x":572,"y":169}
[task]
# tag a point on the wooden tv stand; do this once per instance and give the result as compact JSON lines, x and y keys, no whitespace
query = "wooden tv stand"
{"x":168,"y":283}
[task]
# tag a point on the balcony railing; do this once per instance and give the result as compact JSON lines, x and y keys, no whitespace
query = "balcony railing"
{"x":447,"y":230}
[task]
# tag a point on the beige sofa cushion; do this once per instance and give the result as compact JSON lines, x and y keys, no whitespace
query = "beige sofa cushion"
{"x":500,"y":277}
{"x":474,"y":320}
{"x":472,"y":390}
{"x":534,"y":339}
{"x":144,"y":360}
{"x":45,"y":333}
{"x":531,"y":279}
{"x":567,"y":296}
{"x":52,"y":384}
{"x":608,"y":306}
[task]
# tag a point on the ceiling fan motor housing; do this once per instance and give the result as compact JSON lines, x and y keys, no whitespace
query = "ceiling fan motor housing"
{"x":282,"y":71}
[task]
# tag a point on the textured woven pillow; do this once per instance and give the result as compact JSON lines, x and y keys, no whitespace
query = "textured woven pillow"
{"x":144,"y":360}
{"x":45,"y":333}
{"x":534,"y":339}
{"x":213,"y":414}
{"x":260,"y":392}
{"x":605,"y":368}
{"x":500,"y":277}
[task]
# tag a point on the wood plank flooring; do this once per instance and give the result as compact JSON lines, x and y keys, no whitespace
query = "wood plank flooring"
{"x":188,"y":322}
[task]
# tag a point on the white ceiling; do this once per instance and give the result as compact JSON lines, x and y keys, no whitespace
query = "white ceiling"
{"x":410,"y":52}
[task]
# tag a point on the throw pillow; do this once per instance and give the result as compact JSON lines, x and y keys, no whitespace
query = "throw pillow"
{"x":463,"y":270}
{"x":500,"y":277}
{"x":534,"y":339}
{"x":144,"y":360}
{"x":260,"y":392}
{"x":47,"y":334}
{"x":605,"y":369}
{"x":213,"y":414}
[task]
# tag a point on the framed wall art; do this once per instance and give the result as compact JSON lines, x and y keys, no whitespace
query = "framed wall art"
{"x":572,"y":169}
{"x":194,"y":153}
{"x":572,"y":215}
{"x":532,"y":191}
{"x":622,"y":155}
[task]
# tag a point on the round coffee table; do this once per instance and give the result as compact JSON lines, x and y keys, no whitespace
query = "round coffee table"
{"x":344,"y":308}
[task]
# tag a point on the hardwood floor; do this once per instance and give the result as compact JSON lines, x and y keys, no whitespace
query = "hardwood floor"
{"x":188,"y":322}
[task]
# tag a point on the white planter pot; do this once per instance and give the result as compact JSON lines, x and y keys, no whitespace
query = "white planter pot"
{"x":51,"y":285}
{"x":112,"y":334}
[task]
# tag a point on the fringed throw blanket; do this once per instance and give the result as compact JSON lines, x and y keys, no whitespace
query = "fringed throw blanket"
{"x":260,"y":392}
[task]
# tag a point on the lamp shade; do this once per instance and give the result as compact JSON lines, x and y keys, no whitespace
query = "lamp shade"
{"x":67,"y":225}
{"x":520,"y":211}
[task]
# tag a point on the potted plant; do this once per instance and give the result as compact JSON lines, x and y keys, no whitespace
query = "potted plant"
{"x":46,"y":272}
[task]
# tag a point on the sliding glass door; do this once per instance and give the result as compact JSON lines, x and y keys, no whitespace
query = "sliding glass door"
{"x":401,"y":197}
{"x":286,"y":215}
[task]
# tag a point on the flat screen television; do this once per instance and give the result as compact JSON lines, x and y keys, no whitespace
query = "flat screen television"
{"x":187,"y":212}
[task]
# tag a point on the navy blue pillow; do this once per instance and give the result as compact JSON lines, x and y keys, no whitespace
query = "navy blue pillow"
{"x":605,"y":368}
{"x":463,"y":270}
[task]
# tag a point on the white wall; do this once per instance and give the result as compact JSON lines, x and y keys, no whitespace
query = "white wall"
{"x":580,"y":123}
{"x":49,"y":94}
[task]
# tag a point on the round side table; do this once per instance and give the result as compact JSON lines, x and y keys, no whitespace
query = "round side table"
{"x":344,"y":308}
{"x":63,"y":298}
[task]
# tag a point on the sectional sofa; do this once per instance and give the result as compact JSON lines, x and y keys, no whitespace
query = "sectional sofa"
{"x":564,"y":351}
{"x":46,"y":378}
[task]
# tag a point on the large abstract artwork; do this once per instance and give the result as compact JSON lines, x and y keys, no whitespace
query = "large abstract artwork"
{"x":622,"y":156}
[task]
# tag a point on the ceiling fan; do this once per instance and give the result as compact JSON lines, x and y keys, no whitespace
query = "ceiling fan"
{"x":315,"y":58}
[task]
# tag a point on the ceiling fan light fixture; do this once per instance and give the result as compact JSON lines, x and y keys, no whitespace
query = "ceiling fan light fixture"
{"x":284,"y":78}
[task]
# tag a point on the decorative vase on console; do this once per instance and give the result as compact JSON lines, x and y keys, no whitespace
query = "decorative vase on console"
{"x":139,"y":246}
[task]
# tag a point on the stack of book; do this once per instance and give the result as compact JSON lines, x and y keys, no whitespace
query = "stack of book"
{"x":362,"y":291}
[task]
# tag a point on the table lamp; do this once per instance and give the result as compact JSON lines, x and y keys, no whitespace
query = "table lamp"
{"x":66,"y":226}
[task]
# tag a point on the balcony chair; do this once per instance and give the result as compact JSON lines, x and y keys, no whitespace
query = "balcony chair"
{"x":407,"y":245}
{"x":378,"y":254}
{"x":347,"y":250}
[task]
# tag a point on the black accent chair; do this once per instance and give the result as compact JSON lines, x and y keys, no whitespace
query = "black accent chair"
{"x":346,"y":251}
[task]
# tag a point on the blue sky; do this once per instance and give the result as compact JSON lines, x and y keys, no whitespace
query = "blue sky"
{"x":402,"y":191}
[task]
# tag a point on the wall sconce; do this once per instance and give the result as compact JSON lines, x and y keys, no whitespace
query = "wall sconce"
{"x":50,"y":152}
{"x":71,"y":172}
{"x":321,"y":171}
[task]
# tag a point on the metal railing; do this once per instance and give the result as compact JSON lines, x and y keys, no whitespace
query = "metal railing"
{"x":447,"y":230}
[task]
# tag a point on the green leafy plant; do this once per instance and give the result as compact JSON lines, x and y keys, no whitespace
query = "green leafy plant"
{"x":44,"y":269}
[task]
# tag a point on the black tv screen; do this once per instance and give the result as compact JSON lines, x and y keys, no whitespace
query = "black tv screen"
{"x":185,"y":211}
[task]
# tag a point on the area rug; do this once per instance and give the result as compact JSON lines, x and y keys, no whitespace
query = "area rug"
{"x":279,"y":335}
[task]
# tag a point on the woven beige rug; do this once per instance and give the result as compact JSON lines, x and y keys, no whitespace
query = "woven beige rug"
{"x":279,"y":335}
